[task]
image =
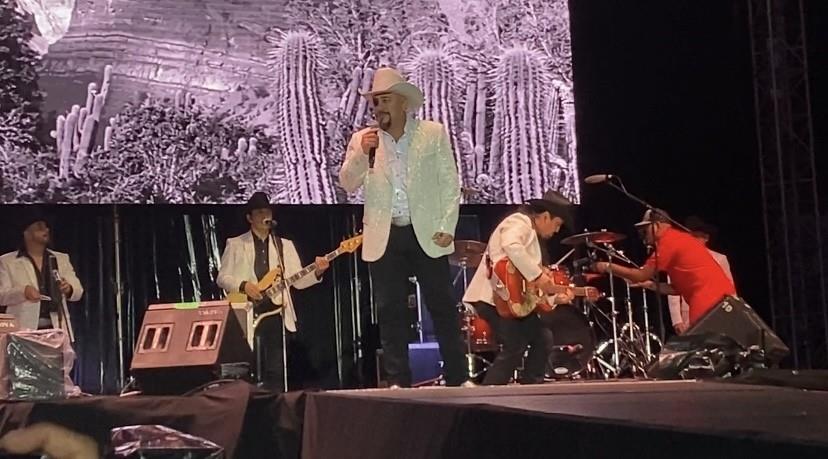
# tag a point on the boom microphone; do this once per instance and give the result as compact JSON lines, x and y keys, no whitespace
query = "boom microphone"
{"x":599,"y":178}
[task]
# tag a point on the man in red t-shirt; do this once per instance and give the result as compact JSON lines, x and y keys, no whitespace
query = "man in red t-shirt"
{"x":694,"y":273}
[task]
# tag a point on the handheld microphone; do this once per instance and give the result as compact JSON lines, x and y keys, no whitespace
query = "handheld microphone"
{"x":270,"y":222}
{"x":598,"y":178}
{"x":372,"y":152}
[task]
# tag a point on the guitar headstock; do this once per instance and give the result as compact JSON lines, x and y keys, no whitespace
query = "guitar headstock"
{"x":350,"y":245}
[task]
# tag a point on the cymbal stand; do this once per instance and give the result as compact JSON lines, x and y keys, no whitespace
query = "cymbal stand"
{"x":418,"y":304}
{"x":634,"y":346}
{"x":467,"y":312}
{"x":647,"y":344}
{"x":616,"y":368}
{"x":648,"y":335}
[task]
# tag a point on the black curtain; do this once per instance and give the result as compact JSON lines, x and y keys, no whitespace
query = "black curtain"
{"x":170,"y":253}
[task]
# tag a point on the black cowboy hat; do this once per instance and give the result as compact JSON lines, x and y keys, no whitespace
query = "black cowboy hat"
{"x":556,"y":204}
{"x":31,"y":215}
{"x":696,"y":225}
{"x":258,"y":200}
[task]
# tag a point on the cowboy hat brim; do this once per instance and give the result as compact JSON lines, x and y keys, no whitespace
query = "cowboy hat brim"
{"x":411,"y":93}
{"x":565,"y":212}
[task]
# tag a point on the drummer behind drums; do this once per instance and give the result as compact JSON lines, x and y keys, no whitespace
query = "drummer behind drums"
{"x":518,"y":238}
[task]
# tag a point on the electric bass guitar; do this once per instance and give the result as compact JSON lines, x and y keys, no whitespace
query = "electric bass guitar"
{"x":516,"y":297}
{"x":272,"y":284}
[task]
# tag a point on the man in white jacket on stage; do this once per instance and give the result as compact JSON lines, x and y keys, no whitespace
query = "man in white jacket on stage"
{"x":245,"y":261}
{"x":36,"y":282}
{"x":412,"y":198}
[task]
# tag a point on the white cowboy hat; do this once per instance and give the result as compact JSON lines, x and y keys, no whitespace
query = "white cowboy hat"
{"x":387,"y":79}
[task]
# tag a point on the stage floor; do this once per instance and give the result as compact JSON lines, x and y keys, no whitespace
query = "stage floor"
{"x":569,"y":419}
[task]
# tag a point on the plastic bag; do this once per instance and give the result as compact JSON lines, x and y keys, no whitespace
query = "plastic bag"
{"x":698,"y":356}
{"x":35,"y":365}
{"x":159,"y":442}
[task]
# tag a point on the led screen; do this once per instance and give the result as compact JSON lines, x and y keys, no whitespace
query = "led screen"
{"x":206,"y":101}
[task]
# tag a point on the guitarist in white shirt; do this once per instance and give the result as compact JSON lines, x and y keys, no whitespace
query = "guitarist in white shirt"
{"x":518,"y":238}
{"x":245,"y":261}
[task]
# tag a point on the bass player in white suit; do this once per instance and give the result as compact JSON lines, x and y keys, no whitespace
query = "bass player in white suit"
{"x":36,"y":282}
{"x":245,"y":261}
{"x":412,"y":199}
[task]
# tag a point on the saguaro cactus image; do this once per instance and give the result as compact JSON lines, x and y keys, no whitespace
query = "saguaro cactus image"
{"x":520,"y":141}
{"x":300,"y":127}
{"x":432,"y":70}
{"x":75,"y":132}
{"x":232,"y":96}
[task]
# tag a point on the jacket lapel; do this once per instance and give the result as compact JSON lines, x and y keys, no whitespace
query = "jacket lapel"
{"x":384,"y":163}
{"x":272,"y":256}
{"x":415,"y":149}
{"x":25,"y":265}
{"x":249,"y":257}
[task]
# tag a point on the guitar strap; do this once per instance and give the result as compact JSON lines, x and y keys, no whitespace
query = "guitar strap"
{"x":498,"y":287}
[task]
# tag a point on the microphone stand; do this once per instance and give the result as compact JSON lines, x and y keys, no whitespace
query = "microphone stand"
{"x":659,"y":300}
{"x":58,"y":298}
{"x":286,"y":301}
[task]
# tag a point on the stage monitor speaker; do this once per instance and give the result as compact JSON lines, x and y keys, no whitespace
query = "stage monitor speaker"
{"x":184,"y":345}
{"x":734,"y":318}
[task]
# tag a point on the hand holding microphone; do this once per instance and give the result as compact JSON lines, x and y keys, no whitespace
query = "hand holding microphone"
{"x":370,"y":142}
{"x":64,"y":287}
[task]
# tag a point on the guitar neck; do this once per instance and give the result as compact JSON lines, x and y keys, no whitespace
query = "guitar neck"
{"x":578,"y":291}
{"x":310,"y":268}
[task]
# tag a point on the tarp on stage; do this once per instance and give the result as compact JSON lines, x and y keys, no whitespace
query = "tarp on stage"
{"x":247,"y":422}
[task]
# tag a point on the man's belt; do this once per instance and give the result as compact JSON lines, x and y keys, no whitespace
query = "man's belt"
{"x":401,"y":221}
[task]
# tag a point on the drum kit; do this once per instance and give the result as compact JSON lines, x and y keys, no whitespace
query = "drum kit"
{"x":593,"y":339}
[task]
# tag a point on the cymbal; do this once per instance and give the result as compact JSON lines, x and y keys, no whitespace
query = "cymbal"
{"x":594,"y":236}
{"x":468,"y":253}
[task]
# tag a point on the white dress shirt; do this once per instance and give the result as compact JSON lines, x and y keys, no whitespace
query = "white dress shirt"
{"x":397,"y":151}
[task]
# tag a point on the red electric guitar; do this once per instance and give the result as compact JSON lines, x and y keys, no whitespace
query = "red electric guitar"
{"x":515,"y":297}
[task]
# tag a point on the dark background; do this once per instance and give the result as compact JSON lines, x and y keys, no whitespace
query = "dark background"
{"x":664,"y":99}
